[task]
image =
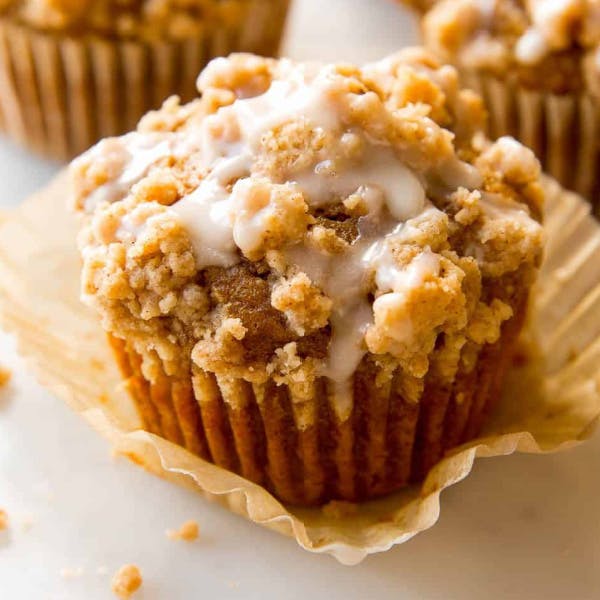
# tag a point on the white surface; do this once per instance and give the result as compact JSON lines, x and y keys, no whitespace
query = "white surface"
{"x":520,"y":527}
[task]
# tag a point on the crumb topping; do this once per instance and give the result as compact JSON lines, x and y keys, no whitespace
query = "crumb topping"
{"x":126,"y":581}
{"x":548,"y":44}
{"x":130,"y":19}
{"x":298,"y":218}
{"x":188,"y":532}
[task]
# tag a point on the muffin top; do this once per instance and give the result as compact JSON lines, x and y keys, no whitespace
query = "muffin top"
{"x":548,"y":44}
{"x":130,"y":19}
{"x":299,"y":218}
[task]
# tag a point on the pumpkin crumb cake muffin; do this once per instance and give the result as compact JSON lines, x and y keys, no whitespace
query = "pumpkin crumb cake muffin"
{"x":75,"y":71}
{"x":313,"y":275}
{"x":537,"y":65}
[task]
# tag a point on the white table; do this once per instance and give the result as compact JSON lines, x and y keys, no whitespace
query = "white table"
{"x":519,"y":527}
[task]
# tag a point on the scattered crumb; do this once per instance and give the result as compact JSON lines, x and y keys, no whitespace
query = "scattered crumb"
{"x":3,"y":520}
{"x":134,"y":458}
{"x":5,"y":375}
{"x":69,"y":573}
{"x":233,"y":584}
{"x":338,"y":509}
{"x":102,"y":570}
{"x":188,"y":532}
{"x":126,"y":581}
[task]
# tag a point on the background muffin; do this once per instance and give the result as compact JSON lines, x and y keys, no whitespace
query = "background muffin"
{"x":313,"y":275}
{"x":74,"y":71}
{"x":537,"y":66}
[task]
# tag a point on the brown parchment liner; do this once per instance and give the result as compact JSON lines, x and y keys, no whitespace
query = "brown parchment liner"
{"x":61,"y":93}
{"x":550,"y":403}
{"x":562,"y":129}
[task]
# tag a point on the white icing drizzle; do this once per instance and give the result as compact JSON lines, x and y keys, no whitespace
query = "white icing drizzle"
{"x":134,"y":154}
{"x":219,"y":228}
{"x":531,"y":47}
{"x":216,"y":234}
{"x":545,"y":33}
{"x":345,"y":277}
{"x":208,"y":207}
{"x":401,"y":190}
{"x":301,"y":94}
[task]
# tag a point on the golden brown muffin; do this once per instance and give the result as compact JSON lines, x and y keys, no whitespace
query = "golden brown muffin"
{"x":75,"y":71}
{"x":313,"y":275}
{"x":536,"y":63}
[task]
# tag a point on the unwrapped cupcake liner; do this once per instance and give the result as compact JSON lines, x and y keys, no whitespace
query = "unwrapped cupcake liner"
{"x":550,"y":402}
{"x":61,"y":94}
{"x":562,"y":129}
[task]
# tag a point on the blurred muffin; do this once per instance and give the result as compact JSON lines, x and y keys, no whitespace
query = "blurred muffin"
{"x":313,"y":275}
{"x":74,"y":71}
{"x":537,"y":65}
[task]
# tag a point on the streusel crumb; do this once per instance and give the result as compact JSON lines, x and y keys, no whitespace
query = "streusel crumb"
{"x":5,"y":375}
{"x":188,"y":532}
{"x":126,"y":581}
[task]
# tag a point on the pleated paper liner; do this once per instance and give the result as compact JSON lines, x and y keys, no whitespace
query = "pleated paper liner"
{"x":562,"y":130}
{"x":549,"y":403}
{"x":61,"y":94}
{"x":292,"y":442}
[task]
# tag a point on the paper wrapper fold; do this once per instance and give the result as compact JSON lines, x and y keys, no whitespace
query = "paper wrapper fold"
{"x":61,"y":94}
{"x":562,"y":130}
{"x":551,"y":401}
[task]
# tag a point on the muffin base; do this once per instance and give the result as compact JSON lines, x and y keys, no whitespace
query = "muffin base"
{"x":562,"y":130}
{"x":61,"y":94}
{"x":300,"y":450}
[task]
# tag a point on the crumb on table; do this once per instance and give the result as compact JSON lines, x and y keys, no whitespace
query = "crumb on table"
{"x":188,"y":532}
{"x":126,"y":581}
{"x":5,"y":375}
{"x":3,"y":520}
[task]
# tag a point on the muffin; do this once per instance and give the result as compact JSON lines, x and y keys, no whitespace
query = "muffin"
{"x":75,"y":71}
{"x":537,"y":65}
{"x":313,"y":275}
